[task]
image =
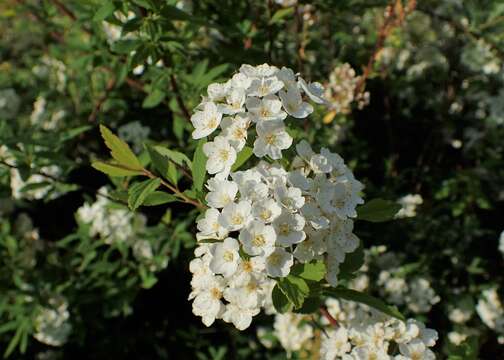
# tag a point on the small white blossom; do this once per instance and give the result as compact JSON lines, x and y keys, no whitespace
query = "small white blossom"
{"x":258,"y":238}
{"x":225,"y":257}
{"x":266,"y":109}
{"x":289,"y":228}
{"x":236,"y":216}
{"x":221,"y":156}
{"x":221,"y":192}
{"x":272,"y":139}
{"x":206,"y":121}
{"x":279,"y":262}
{"x":294,"y":104}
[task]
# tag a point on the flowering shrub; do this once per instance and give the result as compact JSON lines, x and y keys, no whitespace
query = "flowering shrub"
{"x":158,"y":199}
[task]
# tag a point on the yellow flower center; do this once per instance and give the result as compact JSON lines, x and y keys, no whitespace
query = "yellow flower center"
{"x":259,"y":240}
{"x":265,"y":214}
{"x":216,"y":293}
{"x":237,"y":219}
{"x":228,"y":256}
{"x":212,"y":123}
{"x":284,"y":229}
{"x":224,"y":155}
{"x":270,"y":139}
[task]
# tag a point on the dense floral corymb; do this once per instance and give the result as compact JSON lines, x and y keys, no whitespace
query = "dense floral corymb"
{"x":265,"y":219}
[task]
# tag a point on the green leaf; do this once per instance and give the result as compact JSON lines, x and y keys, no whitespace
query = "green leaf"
{"x":352,"y":295}
{"x":310,"y":305}
{"x":281,"y":14}
{"x":114,"y":170}
{"x":125,"y":46}
{"x":172,"y":173}
{"x":175,"y":156}
{"x":139,"y":191}
{"x":242,"y":157}
{"x":280,"y":301}
{"x":314,"y":271}
{"x":104,"y":11}
{"x":120,"y":151}
{"x":153,"y":99}
{"x":378,"y":210}
{"x":295,"y":289}
{"x":199,"y":166}
{"x":353,"y":261}
{"x":159,"y":198}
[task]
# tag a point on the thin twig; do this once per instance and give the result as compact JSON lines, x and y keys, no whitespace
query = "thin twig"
{"x":110,"y":85}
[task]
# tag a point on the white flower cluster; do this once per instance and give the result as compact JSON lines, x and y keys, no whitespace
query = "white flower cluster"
{"x":263,"y":95}
{"x":491,"y":310}
{"x":363,"y":334}
{"x":341,"y":90}
{"x":409,"y":204}
{"x":112,"y":224}
{"x":264,"y":219}
{"x":52,"y":326}
{"x":40,"y":184}
{"x":417,"y":293}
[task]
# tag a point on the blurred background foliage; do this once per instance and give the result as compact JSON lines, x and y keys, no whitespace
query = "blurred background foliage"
{"x":83,"y":277}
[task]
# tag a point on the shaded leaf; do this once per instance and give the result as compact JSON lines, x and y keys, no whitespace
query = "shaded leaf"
{"x":242,"y":157}
{"x":104,"y":11}
{"x":378,"y":210}
{"x":314,"y":271}
{"x":280,"y":301}
{"x":114,"y":170}
{"x":153,"y":99}
{"x":119,"y":150}
{"x":295,"y":289}
{"x":159,"y":198}
{"x":139,"y":191}
{"x":352,"y":295}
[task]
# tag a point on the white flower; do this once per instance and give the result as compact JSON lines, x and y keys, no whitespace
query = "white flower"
{"x":313,"y":215}
{"x":236,"y":216}
{"x":335,"y":345}
{"x":258,"y":238}
{"x":221,"y":156}
{"x":294,"y":104}
{"x":225,"y":257}
{"x":272,"y":139}
{"x":241,"y":318}
{"x":291,"y":332}
{"x":304,"y":150}
{"x":369,"y":353}
{"x":279,"y":262}
{"x":415,"y":350}
{"x":501,"y":243}
{"x":234,"y":129}
{"x":221,"y":192}
{"x":289,"y":197}
{"x":207,"y":302}
{"x":287,"y":76}
{"x":210,"y":227}
{"x":491,"y":310}
{"x":235,"y":100}
{"x":52,"y":326}
{"x":315,"y":91}
{"x":240,"y":81}
{"x":266,"y":210}
{"x":206,"y":121}
{"x":218,"y":92}
{"x":320,"y":164}
{"x":258,"y":71}
{"x":265,"y":86}
{"x":289,"y":229}
{"x":267,"y":109}
{"x":409,"y":204}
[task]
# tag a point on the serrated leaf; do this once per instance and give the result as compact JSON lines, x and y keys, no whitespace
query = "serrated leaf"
{"x":352,"y":295}
{"x":139,"y":191}
{"x":153,"y":99}
{"x":378,"y":210}
{"x":104,"y":11}
{"x":199,"y":166}
{"x":159,"y":198}
{"x":119,"y":150}
{"x":314,"y":271}
{"x":114,"y":170}
{"x":280,"y":301}
{"x":295,"y":289}
{"x":242,"y":157}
